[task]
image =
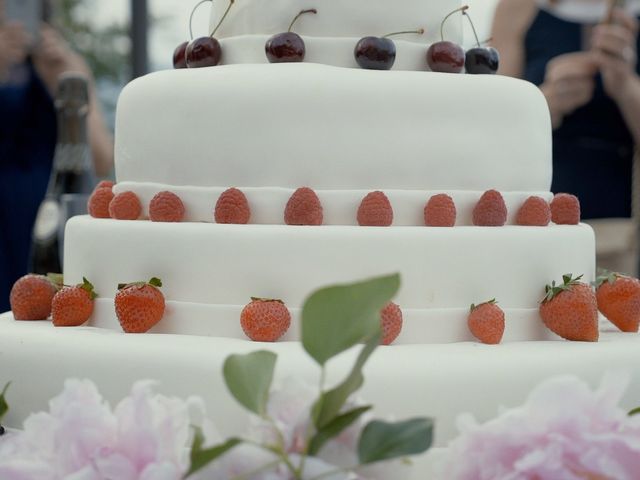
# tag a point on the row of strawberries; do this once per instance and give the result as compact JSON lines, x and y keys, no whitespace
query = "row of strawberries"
{"x":140,"y":306}
{"x":304,"y":208}
{"x":569,"y":309}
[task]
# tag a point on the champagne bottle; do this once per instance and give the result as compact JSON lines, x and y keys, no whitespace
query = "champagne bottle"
{"x":72,"y":175}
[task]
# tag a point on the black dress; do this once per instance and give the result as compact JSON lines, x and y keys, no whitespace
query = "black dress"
{"x":593,"y":148}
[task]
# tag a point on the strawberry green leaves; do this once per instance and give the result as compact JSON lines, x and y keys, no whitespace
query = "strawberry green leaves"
{"x":336,"y":318}
{"x":248,"y":378}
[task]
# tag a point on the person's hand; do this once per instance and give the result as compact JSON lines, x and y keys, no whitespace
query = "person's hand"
{"x":569,"y":83}
{"x":53,"y":57}
{"x":614,"y":47}
{"x":14,"y":46}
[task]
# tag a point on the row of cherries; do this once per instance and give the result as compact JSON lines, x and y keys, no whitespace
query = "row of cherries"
{"x":304,"y":208}
{"x":372,"y":53}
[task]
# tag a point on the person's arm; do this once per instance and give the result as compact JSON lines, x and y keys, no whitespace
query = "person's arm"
{"x":614,"y":48}
{"x":14,"y":47}
{"x":54,"y":57}
{"x":510,"y":23}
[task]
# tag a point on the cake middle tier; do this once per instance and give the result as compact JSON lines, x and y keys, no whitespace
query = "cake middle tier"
{"x":444,"y":270}
{"x":331,"y":128}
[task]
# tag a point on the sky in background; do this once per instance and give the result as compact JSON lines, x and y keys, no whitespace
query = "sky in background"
{"x":171,"y":26}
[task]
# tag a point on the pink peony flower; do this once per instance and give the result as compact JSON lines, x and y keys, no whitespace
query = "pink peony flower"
{"x":144,"y":438}
{"x":563,"y":431}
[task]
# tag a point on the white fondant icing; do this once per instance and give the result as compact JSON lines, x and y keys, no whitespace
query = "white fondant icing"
{"x":420,"y":326}
{"x":339,"y":206}
{"x":345,"y":18}
{"x":333,"y":128}
{"x":228,"y":264}
{"x":401,"y":381}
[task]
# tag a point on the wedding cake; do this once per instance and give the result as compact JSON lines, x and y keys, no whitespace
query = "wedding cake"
{"x":343,"y":132}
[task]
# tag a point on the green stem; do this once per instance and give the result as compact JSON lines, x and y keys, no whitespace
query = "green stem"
{"x":420,"y":31}
{"x":475,"y":34}
{"x":302,"y":12}
{"x":226,"y":12}
{"x":461,"y":9}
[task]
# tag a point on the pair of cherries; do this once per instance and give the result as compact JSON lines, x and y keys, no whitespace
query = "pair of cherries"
{"x":379,"y":53}
{"x":206,"y":51}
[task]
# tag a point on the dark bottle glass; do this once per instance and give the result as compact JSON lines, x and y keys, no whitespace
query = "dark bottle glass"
{"x":72,"y":175}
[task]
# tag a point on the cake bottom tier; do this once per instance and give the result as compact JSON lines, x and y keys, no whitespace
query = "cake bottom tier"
{"x":210,"y":271}
{"x":440,"y":381}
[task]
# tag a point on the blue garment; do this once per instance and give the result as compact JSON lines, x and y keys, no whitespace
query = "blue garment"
{"x":593,"y":148}
{"x":27,"y":144}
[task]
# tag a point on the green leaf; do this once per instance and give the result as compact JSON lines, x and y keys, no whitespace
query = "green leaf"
{"x":200,"y":457}
{"x":335,"y":428}
{"x":4,"y":406}
{"x":248,"y":378}
{"x":384,"y":441}
{"x":635,"y":411}
{"x":336,"y":318}
{"x":155,"y":281}
{"x":328,"y":406}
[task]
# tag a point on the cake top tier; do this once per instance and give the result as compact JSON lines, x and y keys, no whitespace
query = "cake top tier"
{"x":339,"y":18}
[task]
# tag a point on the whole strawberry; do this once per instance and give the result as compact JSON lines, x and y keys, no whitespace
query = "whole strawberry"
{"x":375,"y":210}
{"x":391,"y":323}
{"x":303,"y":208}
{"x":72,"y":306}
{"x":619,"y":300}
{"x":570,"y":310}
{"x":31,"y":296}
{"x":139,"y":305}
{"x":265,"y":320}
{"x":486,"y":322}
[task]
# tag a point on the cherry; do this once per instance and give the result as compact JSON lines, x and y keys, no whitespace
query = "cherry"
{"x":378,"y":53}
{"x":481,"y":60}
{"x":204,"y":51}
{"x":287,"y":46}
{"x":444,"y":56}
{"x":179,"y":56}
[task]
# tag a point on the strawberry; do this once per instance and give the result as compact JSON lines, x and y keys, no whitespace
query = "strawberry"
{"x":166,"y":207}
{"x":72,"y":306}
{"x":98,"y":204}
{"x":490,"y":211}
{"x":570,"y":310}
{"x":31,"y":296}
{"x":440,"y":211}
{"x":125,"y":206}
{"x":375,"y":210}
{"x":303,"y":208}
{"x":105,"y":184}
{"x":232,"y":207}
{"x":486,"y":322}
{"x":391,"y":323}
{"x":139,"y":305}
{"x":265,"y":320}
{"x":534,"y":212}
{"x":619,"y":300}
{"x":565,"y":209}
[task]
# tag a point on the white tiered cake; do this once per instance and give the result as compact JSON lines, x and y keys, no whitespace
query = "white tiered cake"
{"x":269,"y":129}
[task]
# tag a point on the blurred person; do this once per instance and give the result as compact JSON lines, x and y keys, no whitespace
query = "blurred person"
{"x":586,"y":66}
{"x":28,"y":79}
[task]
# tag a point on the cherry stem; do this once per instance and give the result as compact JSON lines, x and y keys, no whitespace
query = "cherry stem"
{"x":475,"y":34}
{"x":191,"y":16}
{"x":302,"y":12}
{"x":420,"y":31}
{"x":226,"y":12}
{"x":461,"y":9}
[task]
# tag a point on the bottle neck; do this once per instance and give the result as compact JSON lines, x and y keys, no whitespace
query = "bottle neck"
{"x":72,"y":126}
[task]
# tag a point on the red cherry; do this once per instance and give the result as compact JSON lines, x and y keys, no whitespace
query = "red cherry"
{"x":203,"y":52}
{"x":180,"y":56}
{"x":287,"y":46}
{"x":444,"y":56}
